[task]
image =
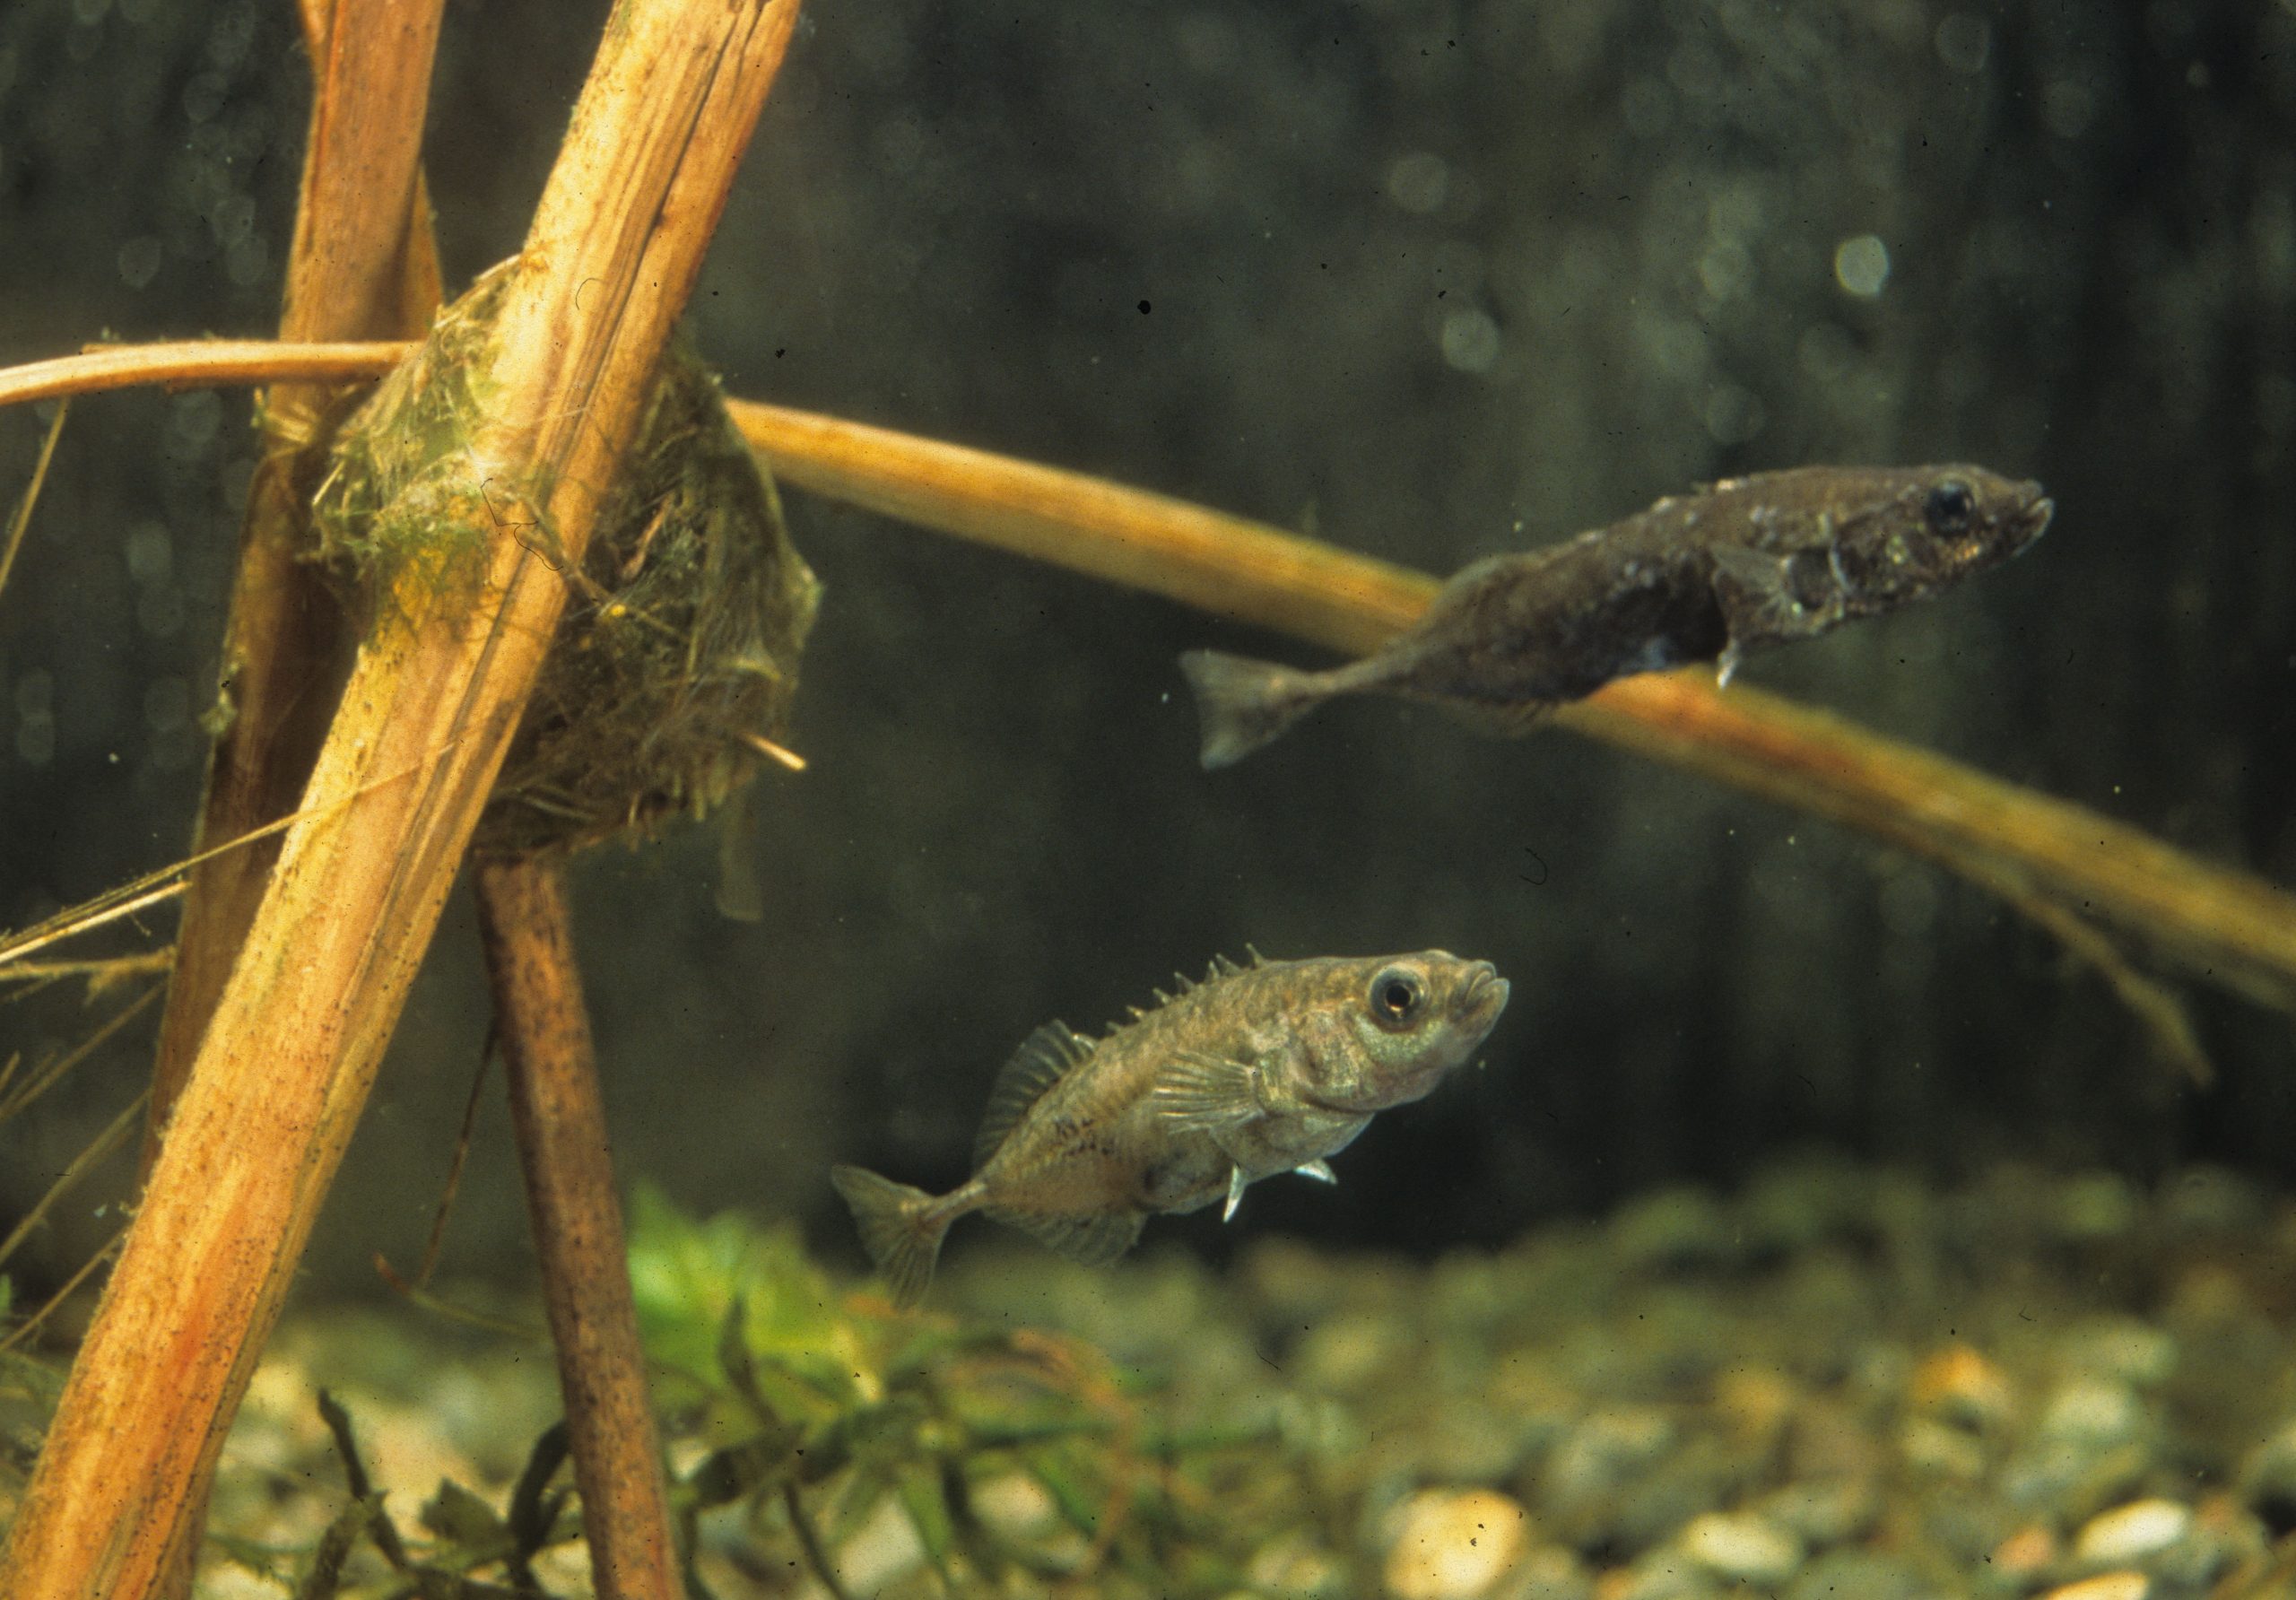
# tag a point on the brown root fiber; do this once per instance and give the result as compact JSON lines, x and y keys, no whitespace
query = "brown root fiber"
{"x":680,"y":644}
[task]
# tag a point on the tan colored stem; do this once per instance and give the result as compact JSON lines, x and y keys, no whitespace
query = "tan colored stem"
{"x":2216,"y":925}
{"x":290,"y":1056}
{"x":359,"y":265}
{"x":198,"y":364}
{"x":1219,"y":564}
{"x":559,"y":1119}
{"x":347,"y":278}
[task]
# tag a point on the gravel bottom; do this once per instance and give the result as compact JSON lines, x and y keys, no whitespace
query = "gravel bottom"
{"x":1837,"y":1382}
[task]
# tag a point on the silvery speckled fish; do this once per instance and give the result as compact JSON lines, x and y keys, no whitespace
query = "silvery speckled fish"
{"x":1254,"y":1071}
{"x":1738,"y":566}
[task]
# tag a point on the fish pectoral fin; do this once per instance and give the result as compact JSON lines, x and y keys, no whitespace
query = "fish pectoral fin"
{"x":1761,"y":602}
{"x":1236,"y":1182}
{"x":1319,"y":1169}
{"x":1494,"y":719}
{"x":1739,"y":568}
{"x":1206,"y":1093}
{"x":1089,"y":1240}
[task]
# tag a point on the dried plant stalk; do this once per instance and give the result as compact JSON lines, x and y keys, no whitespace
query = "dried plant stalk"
{"x":199,"y":363}
{"x":349,"y":269}
{"x":2211,"y":924}
{"x":558,"y":1115}
{"x":289,"y":1058}
{"x":356,"y":269}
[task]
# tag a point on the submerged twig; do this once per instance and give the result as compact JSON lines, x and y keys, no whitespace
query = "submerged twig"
{"x":558,"y":1112}
{"x":164,"y":884}
{"x":102,"y":971}
{"x":114,"y":1134}
{"x":809,"y":1540}
{"x":14,"y":1103}
{"x":200,"y":363}
{"x":2213,"y":924}
{"x":2151,"y":1002}
{"x":433,"y":1246}
{"x":24,"y":1331}
{"x":14,"y":540}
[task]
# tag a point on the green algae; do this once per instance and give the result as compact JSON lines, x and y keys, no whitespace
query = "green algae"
{"x":675,"y":663}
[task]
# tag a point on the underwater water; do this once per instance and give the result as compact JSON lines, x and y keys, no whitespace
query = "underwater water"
{"x":1813,"y":1220}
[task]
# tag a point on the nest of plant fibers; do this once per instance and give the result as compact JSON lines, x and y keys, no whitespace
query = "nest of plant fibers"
{"x":678,"y":651}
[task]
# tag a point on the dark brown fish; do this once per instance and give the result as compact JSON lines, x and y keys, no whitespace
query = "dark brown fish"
{"x":1741,"y":565}
{"x":1255,"y":1071}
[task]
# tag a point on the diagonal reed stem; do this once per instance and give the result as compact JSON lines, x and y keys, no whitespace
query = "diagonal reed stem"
{"x":286,"y":1063}
{"x":355,"y":269}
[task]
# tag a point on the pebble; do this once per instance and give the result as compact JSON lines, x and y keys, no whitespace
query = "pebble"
{"x":1451,"y":1544}
{"x":1346,"y":1352}
{"x":1671,"y":1231}
{"x":2122,"y":1347}
{"x":1959,"y":1384}
{"x":2098,"y":1412}
{"x":1742,"y":1546}
{"x":1656,"y":1577}
{"x":1931,"y":1446}
{"x":1550,"y":1573}
{"x":1859,"y":1574}
{"x":1828,"y":1511}
{"x":1295,"y":1567}
{"x":2104,"y":1585}
{"x":2025,"y":1554}
{"x":1595,"y":1460}
{"x":2267,"y":1475}
{"x":2130,"y":1533}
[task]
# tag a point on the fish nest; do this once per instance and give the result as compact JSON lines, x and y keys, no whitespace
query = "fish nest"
{"x":676,"y":659}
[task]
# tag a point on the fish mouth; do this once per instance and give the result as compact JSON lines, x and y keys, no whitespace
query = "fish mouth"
{"x":1480,"y":998}
{"x":2032,"y":522}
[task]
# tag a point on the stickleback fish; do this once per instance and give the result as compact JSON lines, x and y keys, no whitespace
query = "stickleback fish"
{"x":1254,"y":1071}
{"x":1741,"y":565}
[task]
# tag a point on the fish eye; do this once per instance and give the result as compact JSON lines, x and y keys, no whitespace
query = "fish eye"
{"x":1950,"y":509}
{"x":1395,"y":999}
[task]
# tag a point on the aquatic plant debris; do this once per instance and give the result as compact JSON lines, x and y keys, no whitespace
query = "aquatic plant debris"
{"x":1254,"y":1071}
{"x":1741,"y":565}
{"x":675,"y":665}
{"x":1695,"y":1385}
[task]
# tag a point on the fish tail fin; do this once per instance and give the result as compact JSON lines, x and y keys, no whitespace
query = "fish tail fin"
{"x":901,"y":1228}
{"x":1245,"y":703}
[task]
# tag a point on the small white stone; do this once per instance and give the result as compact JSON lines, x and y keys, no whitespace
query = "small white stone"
{"x":1451,"y":1544}
{"x":2131,"y":1532}
{"x":2101,"y":1412}
{"x":2105,"y":1586}
{"x":1734,"y":1545}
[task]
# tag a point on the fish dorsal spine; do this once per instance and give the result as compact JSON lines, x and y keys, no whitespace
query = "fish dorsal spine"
{"x":1043,"y":1059}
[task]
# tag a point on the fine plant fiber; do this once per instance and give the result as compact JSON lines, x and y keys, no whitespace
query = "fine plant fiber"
{"x":679,"y":648}
{"x":400,"y":518}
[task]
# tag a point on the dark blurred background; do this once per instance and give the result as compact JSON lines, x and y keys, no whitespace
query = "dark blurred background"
{"x":1430,"y":279}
